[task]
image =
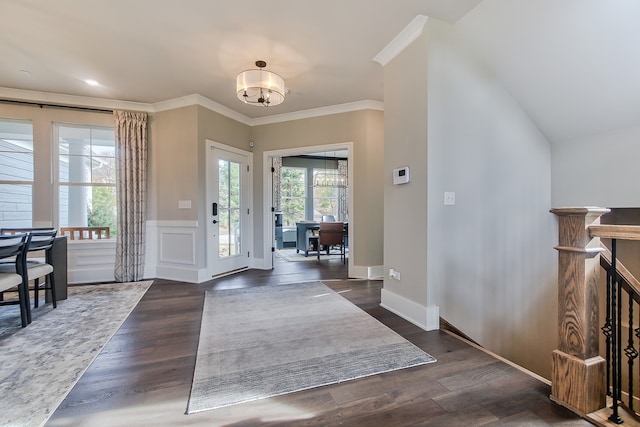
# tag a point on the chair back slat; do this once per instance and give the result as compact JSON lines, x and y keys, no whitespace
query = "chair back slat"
{"x":331,"y":233}
{"x":41,"y":238}
{"x":11,"y":246}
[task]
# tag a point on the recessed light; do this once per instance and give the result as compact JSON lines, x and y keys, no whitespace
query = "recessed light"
{"x":92,"y":82}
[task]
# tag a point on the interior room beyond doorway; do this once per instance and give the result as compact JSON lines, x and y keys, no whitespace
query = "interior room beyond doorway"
{"x":309,"y":188}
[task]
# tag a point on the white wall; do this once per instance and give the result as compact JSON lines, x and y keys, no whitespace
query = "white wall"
{"x":600,"y":170}
{"x":491,"y":266}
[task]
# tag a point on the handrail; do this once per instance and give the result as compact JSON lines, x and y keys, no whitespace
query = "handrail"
{"x":609,"y":231}
{"x":620,"y":281}
{"x":629,"y":282}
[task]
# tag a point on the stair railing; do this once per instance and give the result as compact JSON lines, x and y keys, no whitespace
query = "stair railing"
{"x":622,"y":294}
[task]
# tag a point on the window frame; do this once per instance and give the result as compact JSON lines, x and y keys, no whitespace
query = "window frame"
{"x":335,"y":198}
{"x":33,"y":162}
{"x":304,"y":197}
{"x":55,"y":168}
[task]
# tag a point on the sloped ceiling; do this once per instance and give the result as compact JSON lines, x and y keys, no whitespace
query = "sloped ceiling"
{"x":573,"y":65}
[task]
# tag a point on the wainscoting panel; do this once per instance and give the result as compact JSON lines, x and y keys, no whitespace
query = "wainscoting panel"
{"x":91,"y":261}
{"x":171,"y":251}
{"x":178,"y":247}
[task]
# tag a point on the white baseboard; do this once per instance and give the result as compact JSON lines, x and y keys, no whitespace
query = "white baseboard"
{"x":427,"y":318}
{"x":92,"y":275}
{"x":374,"y":272}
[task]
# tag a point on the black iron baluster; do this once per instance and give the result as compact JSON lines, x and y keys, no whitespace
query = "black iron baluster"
{"x":616,"y":311}
{"x":630,"y":351}
{"x":607,"y":331}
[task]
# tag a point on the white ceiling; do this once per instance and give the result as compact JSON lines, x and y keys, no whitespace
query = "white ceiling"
{"x":572,"y":64}
{"x":155,"y":50}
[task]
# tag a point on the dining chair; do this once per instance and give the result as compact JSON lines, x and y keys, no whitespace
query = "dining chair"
{"x":41,"y":241}
{"x":13,"y":249}
{"x":331,"y":234}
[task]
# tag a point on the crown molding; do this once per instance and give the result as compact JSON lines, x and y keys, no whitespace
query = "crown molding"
{"x":410,"y":33}
{"x":72,"y":100}
{"x":185,"y":101}
{"x":317,"y":112}
{"x":196,"y":99}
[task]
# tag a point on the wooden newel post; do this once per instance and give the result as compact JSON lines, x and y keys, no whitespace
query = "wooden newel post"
{"x":578,"y":373}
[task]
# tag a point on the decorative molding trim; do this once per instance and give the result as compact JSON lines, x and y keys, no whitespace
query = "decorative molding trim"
{"x":172,"y":224}
{"x":72,"y":100}
{"x":427,"y":318}
{"x":91,"y":261}
{"x":410,"y":33}
{"x":90,"y":275}
{"x":370,"y":272}
{"x":376,"y":272}
{"x":318,"y":112}
{"x":184,"y":101}
{"x":186,"y":246}
{"x":202,"y":101}
{"x":182,"y":274}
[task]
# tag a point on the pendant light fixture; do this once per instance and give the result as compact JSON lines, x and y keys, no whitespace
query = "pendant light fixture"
{"x":260,"y":87}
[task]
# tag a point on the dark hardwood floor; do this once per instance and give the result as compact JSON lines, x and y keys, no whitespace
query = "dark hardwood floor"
{"x":143,"y":375}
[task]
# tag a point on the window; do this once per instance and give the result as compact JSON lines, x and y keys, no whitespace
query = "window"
{"x":325,"y":193}
{"x":86,"y":177}
{"x":229,"y":207}
{"x":16,"y":173}
{"x":293,"y":195}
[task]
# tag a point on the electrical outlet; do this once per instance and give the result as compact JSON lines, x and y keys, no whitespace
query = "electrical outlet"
{"x":449,"y":198}
{"x":394,"y":274}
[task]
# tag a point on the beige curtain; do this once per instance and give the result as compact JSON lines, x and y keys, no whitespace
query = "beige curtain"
{"x":131,"y":187}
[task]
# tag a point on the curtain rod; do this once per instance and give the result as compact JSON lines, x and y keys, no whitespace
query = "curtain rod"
{"x":43,"y":105}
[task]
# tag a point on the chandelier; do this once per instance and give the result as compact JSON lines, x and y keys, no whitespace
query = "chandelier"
{"x":260,"y":87}
{"x":329,"y":179}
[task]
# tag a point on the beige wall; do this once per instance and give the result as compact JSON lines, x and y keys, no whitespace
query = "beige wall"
{"x":365,"y":130}
{"x":42,"y":120}
{"x":173,"y":165}
{"x":405,"y":206}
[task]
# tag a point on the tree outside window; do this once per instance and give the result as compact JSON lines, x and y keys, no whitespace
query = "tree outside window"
{"x":325,"y":193}
{"x":87,"y":177}
{"x":293,"y":195}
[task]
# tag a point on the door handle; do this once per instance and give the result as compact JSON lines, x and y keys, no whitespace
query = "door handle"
{"x":215,"y":222}
{"x":215,"y":209}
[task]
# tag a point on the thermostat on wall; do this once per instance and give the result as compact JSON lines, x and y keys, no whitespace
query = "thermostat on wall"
{"x":401,"y":175}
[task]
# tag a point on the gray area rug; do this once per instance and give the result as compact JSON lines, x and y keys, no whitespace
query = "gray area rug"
{"x":41,"y":363}
{"x":267,"y":341}
{"x":290,"y":255}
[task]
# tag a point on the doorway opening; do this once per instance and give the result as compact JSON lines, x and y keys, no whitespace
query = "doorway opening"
{"x":303,"y":187}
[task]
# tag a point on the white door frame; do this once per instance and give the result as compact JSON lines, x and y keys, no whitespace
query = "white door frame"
{"x":247,"y":234}
{"x":268,"y":238}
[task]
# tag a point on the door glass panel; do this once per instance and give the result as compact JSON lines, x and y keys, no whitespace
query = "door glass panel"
{"x":229,"y":208}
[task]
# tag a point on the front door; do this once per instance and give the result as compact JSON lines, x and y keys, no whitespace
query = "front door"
{"x":228,"y":211}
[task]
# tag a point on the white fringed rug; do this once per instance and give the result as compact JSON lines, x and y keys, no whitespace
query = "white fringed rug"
{"x":271,"y":340}
{"x":41,"y":363}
